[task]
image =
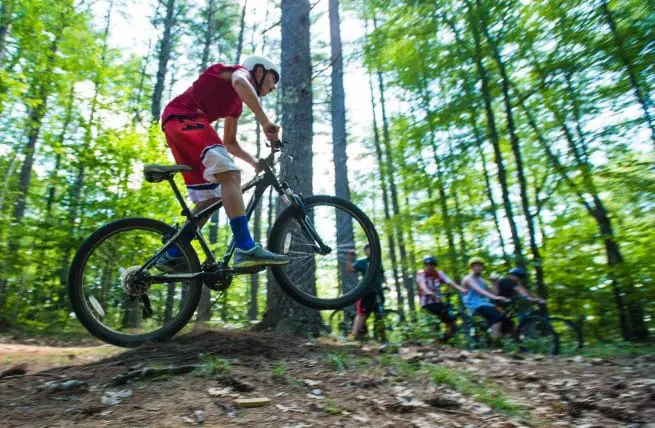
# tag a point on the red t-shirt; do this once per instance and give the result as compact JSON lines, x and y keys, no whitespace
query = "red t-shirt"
{"x":210,"y":95}
{"x":433,"y":281}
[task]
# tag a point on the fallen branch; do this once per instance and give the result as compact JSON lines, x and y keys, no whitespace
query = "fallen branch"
{"x":150,"y":372}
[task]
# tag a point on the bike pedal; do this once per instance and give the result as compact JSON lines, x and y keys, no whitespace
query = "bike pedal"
{"x":249,"y":269}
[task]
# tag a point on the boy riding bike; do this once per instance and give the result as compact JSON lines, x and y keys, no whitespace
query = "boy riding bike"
{"x":219,"y":92}
{"x":429,"y":291}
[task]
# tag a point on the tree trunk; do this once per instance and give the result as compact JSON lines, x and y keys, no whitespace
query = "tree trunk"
{"x":68,"y":117}
{"x":6,"y":18}
{"x":283,"y":313}
{"x":242,"y":26}
{"x":516,"y":150}
{"x":641,"y":92}
{"x":441,"y":187}
{"x":35,"y":118}
{"x":407,"y":282}
{"x":492,"y":132}
{"x":470,"y":93}
{"x":253,"y":309}
{"x":458,"y":216}
{"x":388,"y":228}
{"x":631,"y":324}
{"x":345,"y":234}
{"x":165,"y":50}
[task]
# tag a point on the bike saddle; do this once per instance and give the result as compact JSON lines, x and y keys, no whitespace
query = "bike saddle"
{"x":157,"y":173}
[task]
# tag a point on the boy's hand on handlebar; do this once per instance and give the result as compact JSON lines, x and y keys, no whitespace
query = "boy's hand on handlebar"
{"x":258,"y":166}
{"x":271,"y":131}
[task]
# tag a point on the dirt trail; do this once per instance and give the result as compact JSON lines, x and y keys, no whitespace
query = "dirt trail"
{"x":199,"y":378}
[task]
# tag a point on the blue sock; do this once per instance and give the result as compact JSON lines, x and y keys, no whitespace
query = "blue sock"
{"x":176,"y":252}
{"x":242,"y":236}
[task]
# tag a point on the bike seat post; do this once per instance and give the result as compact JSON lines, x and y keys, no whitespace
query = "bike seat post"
{"x":185,"y":209}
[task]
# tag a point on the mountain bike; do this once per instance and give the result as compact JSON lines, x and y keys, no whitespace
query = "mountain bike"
{"x":471,"y":331}
{"x":120,"y":295}
{"x":569,"y":333}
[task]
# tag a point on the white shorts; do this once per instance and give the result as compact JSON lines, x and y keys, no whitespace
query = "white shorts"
{"x":216,"y":160}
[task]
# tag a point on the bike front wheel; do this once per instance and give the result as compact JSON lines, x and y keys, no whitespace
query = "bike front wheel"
{"x":570,"y":335}
{"x":536,"y":334}
{"x":317,"y":275}
{"x":118,"y":309}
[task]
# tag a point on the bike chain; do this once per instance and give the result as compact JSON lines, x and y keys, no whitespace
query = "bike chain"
{"x":199,"y":316}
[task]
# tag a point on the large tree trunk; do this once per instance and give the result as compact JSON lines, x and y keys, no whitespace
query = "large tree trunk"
{"x":283,"y":313}
{"x":388,"y":228}
{"x":516,"y":150}
{"x":492,"y":131}
{"x":345,"y":234}
{"x":641,"y":91}
{"x":165,"y":50}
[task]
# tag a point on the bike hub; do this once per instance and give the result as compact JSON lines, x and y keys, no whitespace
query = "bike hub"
{"x":133,"y":284}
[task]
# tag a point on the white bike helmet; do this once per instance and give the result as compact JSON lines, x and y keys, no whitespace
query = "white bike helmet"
{"x":253,"y":61}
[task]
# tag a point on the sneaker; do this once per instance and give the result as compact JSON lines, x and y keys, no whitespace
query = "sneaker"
{"x":170,"y":264}
{"x":258,"y":256}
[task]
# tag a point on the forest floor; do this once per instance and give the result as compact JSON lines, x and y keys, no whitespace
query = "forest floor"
{"x":204,"y":377}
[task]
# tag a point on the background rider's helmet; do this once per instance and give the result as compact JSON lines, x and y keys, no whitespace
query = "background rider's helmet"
{"x":474,"y":260}
{"x":254,"y":60}
{"x":520,"y":272}
{"x":430,"y":260}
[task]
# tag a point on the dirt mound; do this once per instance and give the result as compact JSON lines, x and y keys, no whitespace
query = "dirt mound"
{"x":214,"y":377}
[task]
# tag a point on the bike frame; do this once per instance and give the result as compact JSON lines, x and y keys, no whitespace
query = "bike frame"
{"x":260,"y":183}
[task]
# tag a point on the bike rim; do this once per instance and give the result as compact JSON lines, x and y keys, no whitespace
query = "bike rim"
{"x":324,"y":276}
{"x":118,"y":304}
{"x":568,"y":336}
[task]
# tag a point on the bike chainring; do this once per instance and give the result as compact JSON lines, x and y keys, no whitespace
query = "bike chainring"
{"x":133,"y":284}
{"x":217,"y":280}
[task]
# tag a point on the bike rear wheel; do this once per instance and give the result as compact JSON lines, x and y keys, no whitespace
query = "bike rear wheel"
{"x":319,"y":279}
{"x":570,"y":336}
{"x":535,"y":334}
{"x":123,"y":312}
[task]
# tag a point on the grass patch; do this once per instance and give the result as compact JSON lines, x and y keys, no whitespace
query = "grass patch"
{"x":617,"y":350}
{"x":483,"y":390}
{"x":343,"y":361}
{"x":411,"y":370}
{"x":337,"y":361}
{"x":211,"y":365}
{"x":280,"y":373}
{"x":332,"y":408}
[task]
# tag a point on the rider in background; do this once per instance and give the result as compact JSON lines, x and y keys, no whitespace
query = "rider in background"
{"x":477,"y":298}
{"x":373,"y":298}
{"x":219,"y":92}
{"x":513,"y":283}
{"x":429,"y":282}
